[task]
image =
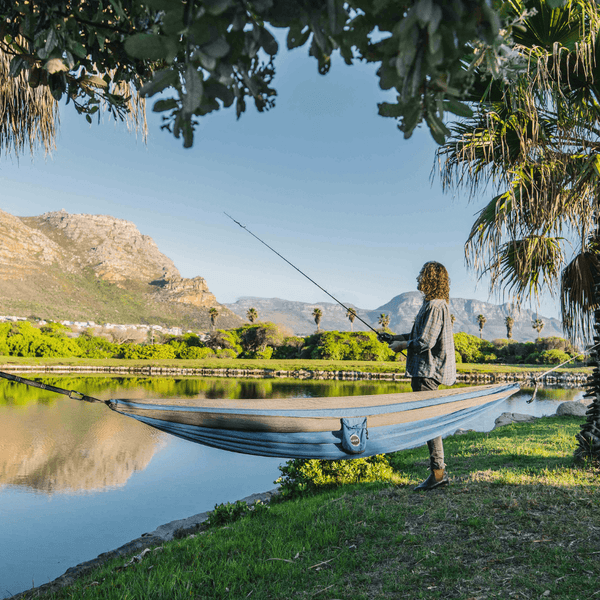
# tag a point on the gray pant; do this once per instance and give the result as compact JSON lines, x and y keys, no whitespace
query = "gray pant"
{"x":436,"y":446}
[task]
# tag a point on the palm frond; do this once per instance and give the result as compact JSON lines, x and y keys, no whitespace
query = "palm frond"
{"x":577,"y":295}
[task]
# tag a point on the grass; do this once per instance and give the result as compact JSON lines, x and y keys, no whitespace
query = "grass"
{"x":277,"y":365}
{"x":518,"y":521}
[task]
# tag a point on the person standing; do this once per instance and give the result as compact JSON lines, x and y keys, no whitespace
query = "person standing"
{"x":430,"y":360}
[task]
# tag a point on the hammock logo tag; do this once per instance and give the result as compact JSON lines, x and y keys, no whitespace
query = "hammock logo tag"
{"x":354,"y":440}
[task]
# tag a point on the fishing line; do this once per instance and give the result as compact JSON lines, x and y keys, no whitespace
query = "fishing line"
{"x":305,"y":275}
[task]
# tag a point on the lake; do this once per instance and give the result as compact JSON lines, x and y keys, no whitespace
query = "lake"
{"x":77,"y":479}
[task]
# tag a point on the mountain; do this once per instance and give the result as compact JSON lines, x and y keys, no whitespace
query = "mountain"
{"x":402,"y":310}
{"x":96,"y":268}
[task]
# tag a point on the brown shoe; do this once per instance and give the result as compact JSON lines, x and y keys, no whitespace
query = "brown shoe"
{"x":438,"y":478}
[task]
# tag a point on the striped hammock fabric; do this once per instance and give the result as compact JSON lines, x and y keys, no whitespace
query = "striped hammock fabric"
{"x":325,"y":428}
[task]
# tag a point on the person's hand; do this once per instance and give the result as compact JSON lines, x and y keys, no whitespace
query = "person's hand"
{"x":385,"y":337}
{"x":398,"y":346}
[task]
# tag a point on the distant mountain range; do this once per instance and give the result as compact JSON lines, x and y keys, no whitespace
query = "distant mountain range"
{"x":402,"y":309}
{"x":100,"y":268}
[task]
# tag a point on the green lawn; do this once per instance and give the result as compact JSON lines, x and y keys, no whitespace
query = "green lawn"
{"x":518,"y":520}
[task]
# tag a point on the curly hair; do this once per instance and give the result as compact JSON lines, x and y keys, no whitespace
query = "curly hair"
{"x":434,"y":282}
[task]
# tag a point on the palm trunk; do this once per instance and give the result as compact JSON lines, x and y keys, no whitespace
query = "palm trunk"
{"x":588,"y":439}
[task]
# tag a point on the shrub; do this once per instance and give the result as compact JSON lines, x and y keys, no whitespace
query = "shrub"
{"x":226,"y":353}
{"x":554,"y":357}
{"x":224,"y":340}
{"x":291,"y":348}
{"x":255,"y":338}
{"x":471,"y":348}
{"x":266,"y":353}
{"x":301,"y":475}
{"x":195,"y":352}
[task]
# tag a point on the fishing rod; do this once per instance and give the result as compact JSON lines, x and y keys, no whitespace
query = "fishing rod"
{"x":307,"y":277}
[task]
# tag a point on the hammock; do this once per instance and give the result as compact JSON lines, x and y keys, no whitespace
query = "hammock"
{"x":325,"y":428}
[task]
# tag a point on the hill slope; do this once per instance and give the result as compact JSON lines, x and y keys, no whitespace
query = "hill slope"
{"x":96,"y":267}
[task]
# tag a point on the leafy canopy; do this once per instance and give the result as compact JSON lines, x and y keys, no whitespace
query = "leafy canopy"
{"x":198,"y":56}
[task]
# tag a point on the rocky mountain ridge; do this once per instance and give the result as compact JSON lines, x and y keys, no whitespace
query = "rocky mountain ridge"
{"x":77,"y":266}
{"x":402,"y":310}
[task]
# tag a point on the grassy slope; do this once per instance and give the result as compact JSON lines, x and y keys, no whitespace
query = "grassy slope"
{"x":517,"y":521}
{"x":59,"y":295}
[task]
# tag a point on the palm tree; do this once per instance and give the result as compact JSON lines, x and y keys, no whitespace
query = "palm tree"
{"x":481,"y":320}
{"x":213,"y":313}
{"x":384,"y":321}
{"x":509,"y":322}
{"x":351,"y":314}
{"x":29,"y":116}
{"x":538,"y":325}
{"x":538,"y":137}
{"x":317,"y":315}
{"x":252,"y":315}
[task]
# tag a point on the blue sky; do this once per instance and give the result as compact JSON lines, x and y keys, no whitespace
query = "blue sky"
{"x":332,"y":186}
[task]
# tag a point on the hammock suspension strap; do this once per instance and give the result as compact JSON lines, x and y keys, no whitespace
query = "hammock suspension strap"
{"x":74,"y":395}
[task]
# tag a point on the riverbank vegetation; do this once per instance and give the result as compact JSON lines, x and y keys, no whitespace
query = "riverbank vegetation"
{"x":260,"y":341}
{"x":519,"y":520}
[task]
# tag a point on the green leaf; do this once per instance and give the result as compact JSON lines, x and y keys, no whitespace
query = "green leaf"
{"x":163,"y":4}
{"x":146,"y":46}
{"x":51,"y":41}
{"x":386,"y":109}
{"x":217,"y":49}
{"x":262,"y":5}
{"x":216,"y":7}
{"x":78,"y":50}
{"x":172,"y":21}
{"x":556,"y":3}
{"x":424,"y":11}
{"x":202,"y":32}
{"x":16,"y":65}
{"x":457,"y":108}
{"x":161,"y":80}
{"x":268,"y":42}
{"x":194,"y":88}
{"x":297,"y":37}
{"x":207,"y":62}
{"x":214,"y":89}
{"x":161,"y":105}
{"x":118,"y":9}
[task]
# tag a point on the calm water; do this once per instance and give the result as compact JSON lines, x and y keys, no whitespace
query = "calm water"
{"x":77,"y":479}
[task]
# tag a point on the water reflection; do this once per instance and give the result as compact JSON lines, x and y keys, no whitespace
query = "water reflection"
{"x":51,"y":443}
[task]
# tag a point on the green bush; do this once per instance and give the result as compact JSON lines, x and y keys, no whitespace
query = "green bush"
{"x":265,"y":354}
{"x":305,"y":475}
{"x":553,"y":357}
{"x":195,"y":352}
{"x":224,"y":340}
{"x":473,"y":349}
{"x":226,"y":353}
